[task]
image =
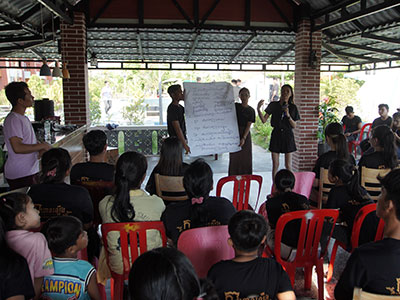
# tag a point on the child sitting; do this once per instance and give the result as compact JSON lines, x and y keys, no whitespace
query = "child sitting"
{"x":20,"y":216}
{"x":72,"y":278}
{"x":283,"y":201}
{"x":248,"y":276}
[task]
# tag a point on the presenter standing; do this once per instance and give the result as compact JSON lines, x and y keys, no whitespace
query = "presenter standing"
{"x":176,"y":116}
{"x":284,"y":116}
{"x":241,"y":162}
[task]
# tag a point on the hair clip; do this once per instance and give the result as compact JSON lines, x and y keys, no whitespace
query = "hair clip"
{"x":4,"y":199}
{"x":52,"y":172}
{"x":197,"y":200}
{"x":200,"y":297}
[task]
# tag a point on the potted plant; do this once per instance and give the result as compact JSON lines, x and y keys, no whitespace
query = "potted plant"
{"x":327,"y":114}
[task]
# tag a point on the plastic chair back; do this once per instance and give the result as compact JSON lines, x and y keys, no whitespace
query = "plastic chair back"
{"x":365,"y":131}
{"x":303,"y":184}
{"x":97,"y":190}
{"x":205,"y":246}
{"x":133,"y":240}
{"x":370,"y":182}
{"x":308,"y":253}
{"x":241,"y":189}
{"x":359,"y":294}
{"x":170,"y":188}
{"x":324,"y":187}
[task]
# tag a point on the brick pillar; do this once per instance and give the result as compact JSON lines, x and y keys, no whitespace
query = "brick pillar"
{"x":307,"y":95}
{"x":76,"y":88}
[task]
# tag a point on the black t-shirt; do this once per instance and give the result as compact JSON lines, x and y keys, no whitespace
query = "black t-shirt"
{"x":374,"y":267}
{"x":379,"y":121}
{"x":59,"y":199}
{"x":325,"y":160}
{"x":176,"y":215}
{"x":92,"y":171}
{"x":278,"y":120}
{"x":261,"y":278}
{"x":151,"y":183}
{"x":244,"y":115}
{"x":340,"y":198}
{"x":372,"y":160}
{"x":283,"y":203}
{"x":18,"y":282}
{"x":351,"y":124}
{"x":176,"y":113}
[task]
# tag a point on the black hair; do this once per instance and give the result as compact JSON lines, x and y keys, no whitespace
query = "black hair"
{"x":247,"y":230}
{"x":349,"y":109}
{"x":391,"y":183}
{"x":234,"y":81}
{"x":383,"y":106}
{"x":396,"y":115}
{"x":172,"y":89}
{"x":129,"y":172}
{"x":164,"y":274}
{"x":95,"y":141}
{"x":10,"y":206}
{"x":349,"y":176}
{"x":55,"y":164}
{"x":284,"y":180}
{"x":244,"y":89}
{"x":335,"y":132}
{"x":386,"y":140}
{"x":15,"y":90}
{"x":61,"y":233}
{"x":170,"y":162}
{"x":198,"y":182}
{"x":291,"y":98}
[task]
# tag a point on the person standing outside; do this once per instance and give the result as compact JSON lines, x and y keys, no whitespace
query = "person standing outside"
{"x":284,"y":116}
{"x":22,"y":165}
{"x":353,"y":124}
{"x":106,"y":96}
{"x":176,"y":116}
{"x":274,"y":90}
{"x":241,"y":162}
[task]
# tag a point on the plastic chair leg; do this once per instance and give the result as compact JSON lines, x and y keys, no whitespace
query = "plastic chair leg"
{"x":320,"y":276}
{"x":112,"y":288}
{"x":332,"y":262}
{"x":307,"y":277}
{"x":118,"y":290}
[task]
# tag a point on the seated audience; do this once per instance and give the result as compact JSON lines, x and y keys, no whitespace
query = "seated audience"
{"x":129,"y":204}
{"x":248,"y":276}
{"x":337,"y":142}
{"x":352,"y":123}
{"x":166,"y":273}
{"x":170,"y":163}
{"x":348,"y":196}
{"x":375,"y":267}
{"x":384,"y":155}
{"x":16,"y":283}
{"x":384,"y":118}
{"x":200,"y":209}
{"x":396,"y":131}
{"x":19,"y":216}
{"x":283,"y":201}
{"x":66,"y":237}
{"x":53,"y":197}
{"x":96,"y":168}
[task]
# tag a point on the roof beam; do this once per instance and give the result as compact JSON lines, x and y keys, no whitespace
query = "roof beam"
{"x":380,"y":38}
{"x":280,"y":54}
{"x":141,"y":12}
{"x":280,"y":12}
{"x":365,"y":48}
{"x":247,"y":13}
{"x":55,"y":9}
{"x":244,"y":46}
{"x":25,"y":47}
{"x":139,"y":41}
{"x":209,"y":12}
{"x":196,"y":12}
{"x":21,"y":39}
{"x":387,"y":4}
{"x":182,"y":11}
{"x":337,"y":53}
{"x":10,"y":28}
{"x":194,"y":45}
{"x":100,"y":12}
{"x":24,"y":26}
{"x":29,"y":13}
{"x":331,"y":8}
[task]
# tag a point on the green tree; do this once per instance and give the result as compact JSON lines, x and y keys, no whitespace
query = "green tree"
{"x":135,"y":112}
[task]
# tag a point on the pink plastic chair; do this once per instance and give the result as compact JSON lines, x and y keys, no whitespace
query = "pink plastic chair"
{"x":303,"y":185}
{"x":241,"y":183}
{"x":205,"y":246}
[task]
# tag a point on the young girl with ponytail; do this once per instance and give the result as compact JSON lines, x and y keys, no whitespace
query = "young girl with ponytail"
{"x":200,"y":209}
{"x":129,"y":204}
{"x":384,"y":155}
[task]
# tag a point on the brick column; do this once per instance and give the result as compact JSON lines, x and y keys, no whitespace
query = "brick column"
{"x":307,"y":95}
{"x":76,"y":88}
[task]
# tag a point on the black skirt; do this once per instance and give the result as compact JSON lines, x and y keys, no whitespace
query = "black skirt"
{"x":282,"y":141}
{"x":241,"y":162}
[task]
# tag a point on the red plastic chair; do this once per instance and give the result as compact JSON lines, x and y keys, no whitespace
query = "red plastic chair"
{"x":303,"y":184}
{"x":354,"y":144}
{"x":308,"y":253}
{"x":205,"y":246}
{"x":355,"y":235}
{"x":241,"y":184}
{"x":132,"y":233}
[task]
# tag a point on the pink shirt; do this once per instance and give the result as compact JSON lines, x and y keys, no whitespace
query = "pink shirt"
{"x":19,"y":165}
{"x":32,"y":246}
